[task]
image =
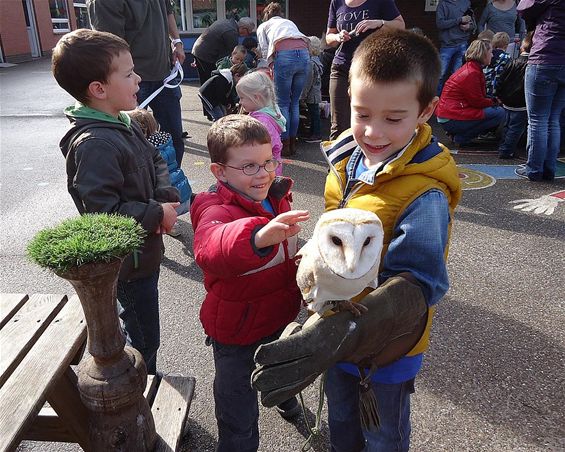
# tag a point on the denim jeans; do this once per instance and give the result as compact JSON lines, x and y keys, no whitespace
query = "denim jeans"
{"x":514,"y":128}
{"x":545,"y":101}
{"x":465,"y":131}
{"x":290,"y":75}
{"x":237,"y":410}
{"x":393,"y":404}
{"x":139,"y":310}
{"x":451,"y":60}
{"x":167,"y":112}
{"x":314,"y":113}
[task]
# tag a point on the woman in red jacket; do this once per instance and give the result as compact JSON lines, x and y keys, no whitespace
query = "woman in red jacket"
{"x":464,"y":110}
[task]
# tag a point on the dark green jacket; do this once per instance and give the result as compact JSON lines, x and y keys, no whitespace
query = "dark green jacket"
{"x":112,"y":168}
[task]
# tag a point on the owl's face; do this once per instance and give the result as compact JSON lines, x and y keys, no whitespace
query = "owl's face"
{"x":351,"y":242}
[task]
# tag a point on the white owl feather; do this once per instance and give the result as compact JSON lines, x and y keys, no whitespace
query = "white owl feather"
{"x":341,"y":259}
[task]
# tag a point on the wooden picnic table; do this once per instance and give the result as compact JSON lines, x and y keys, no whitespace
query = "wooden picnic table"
{"x":41,"y":336}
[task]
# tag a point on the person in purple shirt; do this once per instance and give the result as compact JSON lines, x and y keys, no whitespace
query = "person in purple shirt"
{"x":349,"y":23}
{"x":544,"y":86}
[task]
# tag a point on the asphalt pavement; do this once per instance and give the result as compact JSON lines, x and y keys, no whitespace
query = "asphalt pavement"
{"x":494,"y":377}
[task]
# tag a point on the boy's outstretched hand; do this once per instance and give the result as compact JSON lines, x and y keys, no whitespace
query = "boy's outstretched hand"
{"x":280,"y":228}
{"x":169,"y":216}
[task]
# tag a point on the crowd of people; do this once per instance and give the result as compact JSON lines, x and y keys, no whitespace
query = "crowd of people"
{"x":385,"y":84}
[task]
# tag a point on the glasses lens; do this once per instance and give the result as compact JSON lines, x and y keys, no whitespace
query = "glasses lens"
{"x":271,"y":165}
{"x":251,"y":169}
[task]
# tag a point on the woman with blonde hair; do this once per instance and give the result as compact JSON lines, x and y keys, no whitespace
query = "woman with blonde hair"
{"x":464,"y":110}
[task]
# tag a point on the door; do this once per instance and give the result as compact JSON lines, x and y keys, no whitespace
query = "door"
{"x":31,"y":28}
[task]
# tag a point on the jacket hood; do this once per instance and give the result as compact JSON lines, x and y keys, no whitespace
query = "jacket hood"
{"x":407,"y":162}
{"x":276,"y":114}
{"x":83,"y":117}
{"x":226,"y":73}
{"x":221,"y":193}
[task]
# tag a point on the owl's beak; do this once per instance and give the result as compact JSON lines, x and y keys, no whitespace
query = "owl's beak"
{"x":350,"y":259}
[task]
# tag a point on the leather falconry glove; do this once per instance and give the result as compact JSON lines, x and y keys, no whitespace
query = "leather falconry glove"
{"x":394,"y":322}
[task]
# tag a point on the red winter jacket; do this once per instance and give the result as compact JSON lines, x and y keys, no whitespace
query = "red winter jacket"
{"x":464,"y":94}
{"x":251,"y":293}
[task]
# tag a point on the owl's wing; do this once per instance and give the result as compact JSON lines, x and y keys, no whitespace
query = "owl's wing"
{"x":305,"y":277}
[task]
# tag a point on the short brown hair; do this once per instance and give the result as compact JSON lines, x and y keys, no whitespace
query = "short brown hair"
{"x":399,"y":55}
{"x":477,"y":50}
{"x":85,"y":56}
{"x":146,"y":121}
{"x":486,"y":34}
{"x":239,"y":69}
{"x":233,"y":131}
{"x":500,"y":40}
{"x":271,"y":10}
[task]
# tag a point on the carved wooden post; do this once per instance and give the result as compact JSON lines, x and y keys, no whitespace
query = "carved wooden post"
{"x":111,"y":382}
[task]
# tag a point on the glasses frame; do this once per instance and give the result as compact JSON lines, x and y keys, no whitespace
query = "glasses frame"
{"x":264,"y":166}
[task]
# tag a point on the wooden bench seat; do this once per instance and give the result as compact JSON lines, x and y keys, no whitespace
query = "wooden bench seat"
{"x":170,"y":410}
{"x":40,"y":336}
{"x":170,"y":403}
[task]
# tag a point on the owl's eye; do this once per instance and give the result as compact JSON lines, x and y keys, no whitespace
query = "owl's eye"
{"x":336,"y":241}
{"x":367,"y":241}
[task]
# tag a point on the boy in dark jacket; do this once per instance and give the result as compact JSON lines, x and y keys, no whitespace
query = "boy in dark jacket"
{"x":511,"y":93}
{"x":245,"y":242}
{"x":218,"y":92}
{"x":112,"y":168}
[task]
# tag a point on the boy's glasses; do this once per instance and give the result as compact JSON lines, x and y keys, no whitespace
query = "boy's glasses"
{"x":253,"y":168}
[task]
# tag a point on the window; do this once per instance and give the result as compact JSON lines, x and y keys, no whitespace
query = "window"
{"x":59,"y":16}
{"x":81,"y":14}
{"x":204,"y":13}
{"x":237,"y":8}
{"x":196,"y":15}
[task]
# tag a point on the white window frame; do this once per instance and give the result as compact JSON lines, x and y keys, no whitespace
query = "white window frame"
{"x":80,"y":4}
{"x":186,"y":13}
{"x":61,"y":30}
{"x":66,"y":21}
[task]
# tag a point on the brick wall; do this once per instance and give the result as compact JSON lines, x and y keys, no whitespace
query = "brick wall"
{"x":13,"y":29}
{"x":15,"y":41}
{"x":45,"y":27}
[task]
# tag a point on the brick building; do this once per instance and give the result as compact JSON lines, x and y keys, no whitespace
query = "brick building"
{"x":31,"y":28}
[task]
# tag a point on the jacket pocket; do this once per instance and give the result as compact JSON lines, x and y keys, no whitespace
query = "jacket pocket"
{"x":242,"y":320}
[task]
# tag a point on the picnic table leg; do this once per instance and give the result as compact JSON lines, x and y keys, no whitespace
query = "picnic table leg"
{"x":64,"y":398}
{"x":111,"y":382}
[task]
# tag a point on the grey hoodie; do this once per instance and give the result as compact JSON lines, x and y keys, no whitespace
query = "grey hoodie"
{"x":448,"y":19}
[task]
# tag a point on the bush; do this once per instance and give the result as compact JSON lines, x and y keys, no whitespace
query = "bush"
{"x":85,"y":239}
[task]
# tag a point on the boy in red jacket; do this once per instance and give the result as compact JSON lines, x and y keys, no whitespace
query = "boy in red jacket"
{"x":245,"y":242}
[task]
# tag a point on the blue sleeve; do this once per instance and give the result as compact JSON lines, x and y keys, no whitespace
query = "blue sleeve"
{"x":418,"y":245}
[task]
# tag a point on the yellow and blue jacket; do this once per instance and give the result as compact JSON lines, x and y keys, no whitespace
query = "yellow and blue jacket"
{"x":424,"y":165}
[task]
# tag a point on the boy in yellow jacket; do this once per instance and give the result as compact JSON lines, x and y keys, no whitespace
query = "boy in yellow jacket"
{"x":389,"y":163}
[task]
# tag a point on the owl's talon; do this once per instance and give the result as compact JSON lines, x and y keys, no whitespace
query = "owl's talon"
{"x":355,"y":308}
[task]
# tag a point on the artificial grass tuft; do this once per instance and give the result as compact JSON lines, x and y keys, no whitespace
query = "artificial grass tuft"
{"x":85,"y":239}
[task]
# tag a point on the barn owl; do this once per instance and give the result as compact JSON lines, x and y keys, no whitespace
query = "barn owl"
{"x":341,"y":259}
